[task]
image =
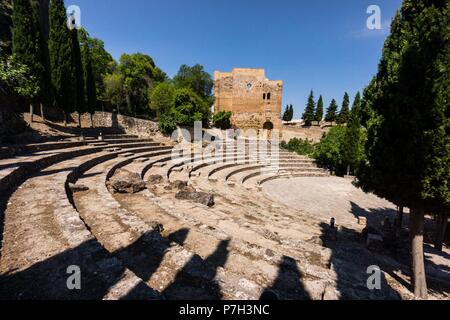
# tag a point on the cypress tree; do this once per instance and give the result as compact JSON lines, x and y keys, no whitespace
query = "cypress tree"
{"x":344,"y":115}
{"x":61,"y":58}
{"x":27,"y":45}
{"x":91,"y":90}
{"x":286,"y":114}
{"x":79,"y":75}
{"x":319,"y":111}
{"x":350,"y":149}
{"x":291,"y":112}
{"x":407,"y":148}
{"x":308,"y":115}
{"x":331,"y":112}
{"x":356,"y":107}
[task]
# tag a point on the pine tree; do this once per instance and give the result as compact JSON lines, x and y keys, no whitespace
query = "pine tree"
{"x":344,"y":115}
{"x":308,"y":115}
{"x":79,"y":75}
{"x":27,"y":46}
{"x":407,"y":148}
{"x":61,"y":58}
{"x":91,"y":90}
{"x":319,"y":111}
{"x":331,"y":112}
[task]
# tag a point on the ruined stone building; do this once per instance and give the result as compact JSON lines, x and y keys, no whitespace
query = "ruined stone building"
{"x":254,"y":100}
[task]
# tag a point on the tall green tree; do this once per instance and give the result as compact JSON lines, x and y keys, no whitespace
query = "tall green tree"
{"x":331,"y":112}
{"x":291,"y":112}
{"x":162,"y":98}
{"x":5,"y":27}
{"x":310,"y":110}
{"x":140,"y":75}
{"x":115,"y":92}
{"x":61,"y":59}
{"x":28,"y":46}
{"x":102,"y":62}
{"x":356,"y":107}
{"x":408,"y":154}
{"x":89,"y":79}
{"x":351,"y":151}
{"x":195,"y":78}
{"x":286,"y":114}
{"x":80,"y":104}
{"x":344,"y":114}
{"x":319,"y":111}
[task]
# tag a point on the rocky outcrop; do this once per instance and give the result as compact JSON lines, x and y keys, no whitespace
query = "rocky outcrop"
{"x":198,"y":197}
{"x":126,"y":182}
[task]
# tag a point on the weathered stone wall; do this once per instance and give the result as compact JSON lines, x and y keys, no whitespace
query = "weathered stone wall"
{"x":313,"y":134}
{"x":129,"y":125}
{"x":253,"y":99}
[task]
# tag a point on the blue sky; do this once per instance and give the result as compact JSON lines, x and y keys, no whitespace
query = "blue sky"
{"x":322,"y":45}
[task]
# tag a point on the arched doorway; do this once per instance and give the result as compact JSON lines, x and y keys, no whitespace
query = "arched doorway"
{"x":268,"y":126}
{"x":267,"y":129}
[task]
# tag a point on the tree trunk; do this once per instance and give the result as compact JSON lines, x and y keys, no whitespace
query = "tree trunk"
{"x":348,"y":171}
{"x":79,"y":120}
{"x":42,"y":112}
{"x":65,"y":119}
{"x":31,"y":112}
{"x":400,"y":216}
{"x":441,"y":228}
{"x":92,"y":120}
{"x":418,"y":276}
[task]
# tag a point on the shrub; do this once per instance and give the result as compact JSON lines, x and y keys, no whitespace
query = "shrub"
{"x":222,"y":120}
{"x":299,"y":146}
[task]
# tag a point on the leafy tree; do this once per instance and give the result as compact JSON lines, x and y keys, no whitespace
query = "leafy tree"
{"x":115,"y":91}
{"x":408,"y":157}
{"x":61,"y":58}
{"x":140,"y":75}
{"x":309,"y":114}
{"x":319,"y":112}
{"x":331,"y":112}
{"x":80,"y":102}
{"x":196,"y":79}
{"x":15,"y":78}
{"x":162,"y":98}
{"x":89,"y":79}
{"x":190,"y":107}
{"x":344,"y":115}
{"x":328,"y":152}
{"x":222,"y":120}
{"x":28,"y":46}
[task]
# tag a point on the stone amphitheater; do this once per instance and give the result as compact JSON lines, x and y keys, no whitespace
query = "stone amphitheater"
{"x":58,"y":209}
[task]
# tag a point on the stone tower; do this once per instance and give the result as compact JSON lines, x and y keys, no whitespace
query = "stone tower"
{"x":254,"y":100}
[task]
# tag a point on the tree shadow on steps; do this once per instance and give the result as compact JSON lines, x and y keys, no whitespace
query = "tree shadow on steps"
{"x":197,"y":279}
{"x":288,"y":284}
{"x":47,"y":280}
{"x":145,"y":255}
{"x":350,"y":260}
